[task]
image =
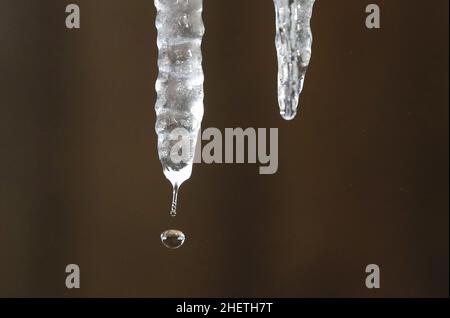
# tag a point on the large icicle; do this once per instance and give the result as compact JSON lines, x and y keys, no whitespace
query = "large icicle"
{"x":293,"y":42}
{"x":179,"y":106}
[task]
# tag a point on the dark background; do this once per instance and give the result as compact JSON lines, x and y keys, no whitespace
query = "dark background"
{"x":363,"y":175}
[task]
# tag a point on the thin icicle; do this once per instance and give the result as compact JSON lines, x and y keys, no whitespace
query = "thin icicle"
{"x":293,"y":42}
{"x":179,"y":106}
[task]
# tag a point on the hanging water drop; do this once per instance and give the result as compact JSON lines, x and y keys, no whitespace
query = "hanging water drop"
{"x":173,"y":210}
{"x":173,"y":239}
{"x":293,"y":42}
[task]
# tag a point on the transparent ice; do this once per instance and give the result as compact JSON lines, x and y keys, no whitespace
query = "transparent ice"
{"x":179,"y":85}
{"x":293,"y":42}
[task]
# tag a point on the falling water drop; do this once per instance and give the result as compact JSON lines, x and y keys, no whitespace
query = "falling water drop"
{"x":173,"y":239}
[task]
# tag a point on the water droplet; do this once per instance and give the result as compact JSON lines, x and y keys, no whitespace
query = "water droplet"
{"x":173,"y":239}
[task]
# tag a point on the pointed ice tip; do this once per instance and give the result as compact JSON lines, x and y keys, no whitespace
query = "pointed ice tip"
{"x":289,"y":115}
{"x":288,"y":108}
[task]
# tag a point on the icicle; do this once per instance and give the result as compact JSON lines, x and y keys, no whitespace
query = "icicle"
{"x":293,"y":42}
{"x":179,"y":105}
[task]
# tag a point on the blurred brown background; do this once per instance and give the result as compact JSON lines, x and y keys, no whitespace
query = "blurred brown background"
{"x":363,"y":174}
